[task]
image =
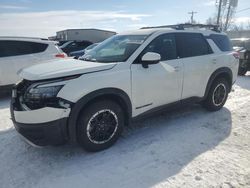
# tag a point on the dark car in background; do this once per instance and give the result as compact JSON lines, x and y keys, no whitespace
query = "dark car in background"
{"x":72,"y":46}
{"x":242,"y":46}
{"x":79,"y":53}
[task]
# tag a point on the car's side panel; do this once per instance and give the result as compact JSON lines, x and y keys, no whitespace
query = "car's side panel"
{"x":196,"y":74}
{"x":9,"y":66}
{"x":118,"y":77}
{"x":157,"y":85}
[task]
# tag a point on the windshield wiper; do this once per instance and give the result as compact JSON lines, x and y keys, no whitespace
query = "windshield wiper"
{"x":88,"y":59}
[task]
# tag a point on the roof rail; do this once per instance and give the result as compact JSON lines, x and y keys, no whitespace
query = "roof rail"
{"x":215,"y":28}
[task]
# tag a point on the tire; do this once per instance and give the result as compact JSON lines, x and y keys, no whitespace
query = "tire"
{"x":100,"y":125}
{"x":242,"y":71}
{"x":215,"y":100}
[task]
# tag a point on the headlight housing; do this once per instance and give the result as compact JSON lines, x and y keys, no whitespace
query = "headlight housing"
{"x":34,"y":95}
{"x":43,"y":93}
{"x":38,"y":96}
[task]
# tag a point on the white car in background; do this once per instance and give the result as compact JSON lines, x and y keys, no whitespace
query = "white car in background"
{"x":17,"y":53}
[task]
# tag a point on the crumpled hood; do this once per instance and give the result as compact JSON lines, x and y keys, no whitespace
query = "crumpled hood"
{"x":63,"y":67}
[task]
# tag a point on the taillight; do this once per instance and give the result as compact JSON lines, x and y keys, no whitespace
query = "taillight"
{"x":61,"y":55}
{"x":236,"y":55}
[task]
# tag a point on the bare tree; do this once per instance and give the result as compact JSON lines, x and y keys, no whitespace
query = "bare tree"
{"x":211,"y":21}
{"x":228,"y":8}
{"x":236,"y":27}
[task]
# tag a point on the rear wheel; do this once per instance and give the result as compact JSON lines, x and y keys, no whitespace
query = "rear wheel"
{"x":100,"y":125}
{"x":217,"y":95}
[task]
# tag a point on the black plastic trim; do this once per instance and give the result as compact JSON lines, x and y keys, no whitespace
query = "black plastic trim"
{"x":216,"y":74}
{"x":139,"y":107}
{"x":42,"y":134}
{"x":167,"y":107}
{"x":111,"y":93}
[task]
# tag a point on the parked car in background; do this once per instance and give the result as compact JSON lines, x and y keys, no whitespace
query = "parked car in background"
{"x":124,"y":78}
{"x":20,"y":52}
{"x":80,"y":53}
{"x":242,"y":46}
{"x":72,"y":46}
{"x":60,"y":43}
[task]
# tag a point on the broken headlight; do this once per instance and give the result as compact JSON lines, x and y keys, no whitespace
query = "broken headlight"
{"x":38,"y":96}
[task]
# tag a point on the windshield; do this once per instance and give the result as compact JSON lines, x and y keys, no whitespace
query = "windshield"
{"x":65,"y":44}
{"x":115,"y":49}
{"x":91,"y":46}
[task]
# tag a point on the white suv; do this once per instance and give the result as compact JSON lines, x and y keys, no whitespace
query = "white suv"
{"x":20,"y":52}
{"x":126,"y":77}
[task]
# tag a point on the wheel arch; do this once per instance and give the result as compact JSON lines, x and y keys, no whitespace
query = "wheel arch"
{"x":117,"y":95}
{"x":223,"y":72}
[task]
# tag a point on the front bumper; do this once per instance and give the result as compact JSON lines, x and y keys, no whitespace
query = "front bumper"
{"x":43,"y":134}
{"x":45,"y":126}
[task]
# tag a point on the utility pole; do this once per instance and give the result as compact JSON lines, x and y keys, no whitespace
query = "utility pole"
{"x":192,"y":16}
{"x":219,"y":12}
{"x":228,"y":15}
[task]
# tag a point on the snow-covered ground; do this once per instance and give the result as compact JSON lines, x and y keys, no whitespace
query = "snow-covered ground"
{"x":188,"y":147}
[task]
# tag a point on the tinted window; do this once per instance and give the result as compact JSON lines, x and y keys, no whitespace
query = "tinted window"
{"x":84,"y":44}
{"x":192,"y":44}
{"x":14,"y":48}
{"x":222,"y":42}
{"x":163,"y":45}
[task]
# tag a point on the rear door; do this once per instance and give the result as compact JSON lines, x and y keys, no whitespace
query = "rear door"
{"x":196,"y":56}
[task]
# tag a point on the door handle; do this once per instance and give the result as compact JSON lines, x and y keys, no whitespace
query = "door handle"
{"x":214,"y":61}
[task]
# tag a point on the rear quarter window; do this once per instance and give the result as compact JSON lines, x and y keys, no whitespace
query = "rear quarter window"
{"x":15,"y":48}
{"x":222,"y":41}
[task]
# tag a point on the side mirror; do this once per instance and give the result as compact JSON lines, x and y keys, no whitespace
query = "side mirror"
{"x":150,"y":58}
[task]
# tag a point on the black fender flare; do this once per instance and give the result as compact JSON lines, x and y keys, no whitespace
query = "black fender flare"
{"x":219,"y":72}
{"x":118,"y":95}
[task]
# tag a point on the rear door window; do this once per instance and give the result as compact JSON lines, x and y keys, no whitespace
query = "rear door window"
{"x":192,"y":44}
{"x":15,"y":48}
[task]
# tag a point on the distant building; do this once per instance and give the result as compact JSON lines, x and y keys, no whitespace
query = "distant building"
{"x":92,"y":35}
{"x":239,"y":34}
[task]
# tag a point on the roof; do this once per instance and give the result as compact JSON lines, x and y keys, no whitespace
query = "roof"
{"x":168,"y":30}
{"x":19,"y":37}
{"x":31,"y":39}
{"x":144,"y":31}
{"x":197,"y":28}
{"x":187,"y":27}
{"x":86,"y":30}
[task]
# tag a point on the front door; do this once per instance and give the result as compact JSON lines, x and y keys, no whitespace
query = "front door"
{"x":161,"y":83}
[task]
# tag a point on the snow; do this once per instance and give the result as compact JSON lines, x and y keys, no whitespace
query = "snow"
{"x":187,"y":147}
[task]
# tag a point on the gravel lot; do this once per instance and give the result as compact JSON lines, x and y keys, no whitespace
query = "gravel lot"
{"x":188,"y":147}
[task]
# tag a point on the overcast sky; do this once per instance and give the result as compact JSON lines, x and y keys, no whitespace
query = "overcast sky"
{"x":42,"y":18}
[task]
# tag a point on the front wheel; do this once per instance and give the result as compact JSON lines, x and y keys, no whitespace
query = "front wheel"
{"x":217,"y":95}
{"x":100,"y":125}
